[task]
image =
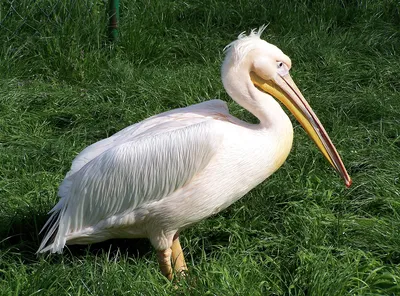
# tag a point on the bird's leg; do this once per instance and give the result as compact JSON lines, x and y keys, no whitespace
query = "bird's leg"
{"x":164,"y":260}
{"x":178,"y":259}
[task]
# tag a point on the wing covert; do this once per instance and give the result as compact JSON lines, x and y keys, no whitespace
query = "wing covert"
{"x":161,"y":123}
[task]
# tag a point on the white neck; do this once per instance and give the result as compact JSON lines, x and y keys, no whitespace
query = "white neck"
{"x":241,"y":89}
{"x":274,"y":132}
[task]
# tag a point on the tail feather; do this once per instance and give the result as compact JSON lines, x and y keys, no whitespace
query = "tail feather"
{"x":54,"y":239}
{"x":52,"y":227}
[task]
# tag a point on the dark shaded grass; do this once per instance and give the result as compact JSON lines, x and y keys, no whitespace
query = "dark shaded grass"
{"x":63,"y":87}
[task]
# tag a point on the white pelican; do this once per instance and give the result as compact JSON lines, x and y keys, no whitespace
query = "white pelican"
{"x":157,"y":177}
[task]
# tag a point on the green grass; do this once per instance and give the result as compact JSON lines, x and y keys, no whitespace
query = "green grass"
{"x":63,"y":87}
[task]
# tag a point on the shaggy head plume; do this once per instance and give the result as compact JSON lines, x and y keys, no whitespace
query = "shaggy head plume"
{"x":240,"y":47}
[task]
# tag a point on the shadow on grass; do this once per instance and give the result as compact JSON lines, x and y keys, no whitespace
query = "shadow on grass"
{"x":20,"y":236}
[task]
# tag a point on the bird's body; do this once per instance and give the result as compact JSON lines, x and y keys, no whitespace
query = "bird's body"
{"x":201,"y":193}
{"x":161,"y":175}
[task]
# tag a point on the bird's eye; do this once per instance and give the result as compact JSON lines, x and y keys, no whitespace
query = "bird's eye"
{"x":282,"y":69}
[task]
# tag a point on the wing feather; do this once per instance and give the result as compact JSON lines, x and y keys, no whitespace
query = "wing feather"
{"x":129,"y":176}
{"x":160,"y":123}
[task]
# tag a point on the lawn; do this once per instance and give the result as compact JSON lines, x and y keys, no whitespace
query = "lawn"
{"x":63,"y":86}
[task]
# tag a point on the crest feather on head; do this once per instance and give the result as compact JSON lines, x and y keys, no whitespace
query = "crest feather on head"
{"x":239,"y":48}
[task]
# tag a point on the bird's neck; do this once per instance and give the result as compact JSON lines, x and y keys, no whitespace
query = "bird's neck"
{"x":274,"y":133}
{"x":242,"y":90}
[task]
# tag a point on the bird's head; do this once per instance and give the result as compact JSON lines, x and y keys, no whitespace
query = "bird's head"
{"x":268,"y":69}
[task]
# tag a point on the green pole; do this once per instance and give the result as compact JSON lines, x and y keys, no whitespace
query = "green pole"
{"x":113,"y":14}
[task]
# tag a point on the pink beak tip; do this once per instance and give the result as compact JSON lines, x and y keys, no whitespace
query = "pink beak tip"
{"x":348,"y":182}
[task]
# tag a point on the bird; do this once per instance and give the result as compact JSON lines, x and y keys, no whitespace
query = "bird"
{"x":157,"y":177}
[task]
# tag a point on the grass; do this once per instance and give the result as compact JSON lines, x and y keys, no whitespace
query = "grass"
{"x":63,"y":87}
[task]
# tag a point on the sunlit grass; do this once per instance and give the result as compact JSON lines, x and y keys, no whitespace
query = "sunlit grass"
{"x":63,"y":87}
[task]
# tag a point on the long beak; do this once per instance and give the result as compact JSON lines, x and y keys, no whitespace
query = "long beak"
{"x":285,"y":90}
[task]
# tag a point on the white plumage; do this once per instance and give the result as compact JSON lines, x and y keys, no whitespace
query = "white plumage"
{"x":159,"y":176}
{"x":119,"y":181}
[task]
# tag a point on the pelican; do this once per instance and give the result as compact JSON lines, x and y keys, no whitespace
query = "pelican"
{"x":157,"y":177}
